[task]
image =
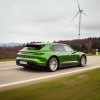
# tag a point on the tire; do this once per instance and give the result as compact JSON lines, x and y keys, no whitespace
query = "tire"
{"x":52,"y":64}
{"x":83,"y":61}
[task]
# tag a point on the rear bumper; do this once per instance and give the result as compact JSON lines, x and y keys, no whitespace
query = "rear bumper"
{"x":29,"y":63}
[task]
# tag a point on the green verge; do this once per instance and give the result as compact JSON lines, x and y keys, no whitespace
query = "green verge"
{"x":83,"y":86}
{"x":2,"y":60}
{"x":90,"y":54}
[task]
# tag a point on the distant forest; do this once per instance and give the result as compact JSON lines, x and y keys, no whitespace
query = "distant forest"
{"x":86,"y":45}
{"x":9,"y":52}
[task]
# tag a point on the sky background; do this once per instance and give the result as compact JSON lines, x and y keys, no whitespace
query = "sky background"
{"x":47,"y":20}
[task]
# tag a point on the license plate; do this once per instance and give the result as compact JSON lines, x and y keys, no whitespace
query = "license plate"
{"x":23,"y":62}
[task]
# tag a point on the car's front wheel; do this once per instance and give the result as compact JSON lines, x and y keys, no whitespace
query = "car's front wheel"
{"x":83,"y":61}
{"x":52,"y":64}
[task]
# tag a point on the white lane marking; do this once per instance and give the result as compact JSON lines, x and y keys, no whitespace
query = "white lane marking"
{"x":8,"y":68}
{"x":46,"y":77}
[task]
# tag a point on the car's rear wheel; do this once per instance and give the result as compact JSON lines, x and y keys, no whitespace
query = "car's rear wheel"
{"x":83,"y":61}
{"x":52,"y":64}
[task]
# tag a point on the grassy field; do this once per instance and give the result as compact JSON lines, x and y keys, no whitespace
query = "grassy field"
{"x":2,"y":60}
{"x":84,"y":86}
{"x":90,"y":54}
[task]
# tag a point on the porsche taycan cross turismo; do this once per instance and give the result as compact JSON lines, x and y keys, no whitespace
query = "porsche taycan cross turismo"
{"x":50,"y":55}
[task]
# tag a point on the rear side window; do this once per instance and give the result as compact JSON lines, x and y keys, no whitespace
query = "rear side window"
{"x":34,"y":47}
{"x":59,"y":48}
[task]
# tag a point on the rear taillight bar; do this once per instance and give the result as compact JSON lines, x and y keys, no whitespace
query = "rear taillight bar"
{"x":40,"y":53}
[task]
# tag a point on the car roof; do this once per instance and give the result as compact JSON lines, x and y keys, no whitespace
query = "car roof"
{"x":43,"y":43}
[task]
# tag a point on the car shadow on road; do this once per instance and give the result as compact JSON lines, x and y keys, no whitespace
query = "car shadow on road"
{"x":68,"y":67}
{"x":43,"y":69}
{"x":36,"y":70}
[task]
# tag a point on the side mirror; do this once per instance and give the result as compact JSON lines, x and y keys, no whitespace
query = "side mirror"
{"x":74,"y":51}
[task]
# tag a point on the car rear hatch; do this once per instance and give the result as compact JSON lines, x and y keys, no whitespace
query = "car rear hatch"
{"x":31,"y":51}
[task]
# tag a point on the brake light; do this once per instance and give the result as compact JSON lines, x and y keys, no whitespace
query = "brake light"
{"x":38,"y":53}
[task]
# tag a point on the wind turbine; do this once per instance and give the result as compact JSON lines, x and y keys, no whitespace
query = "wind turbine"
{"x":80,"y":12}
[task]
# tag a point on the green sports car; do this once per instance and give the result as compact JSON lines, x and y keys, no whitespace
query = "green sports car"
{"x":50,"y":55}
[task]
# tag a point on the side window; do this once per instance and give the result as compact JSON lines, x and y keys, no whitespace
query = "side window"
{"x":68,"y":48}
{"x":58,"y":47}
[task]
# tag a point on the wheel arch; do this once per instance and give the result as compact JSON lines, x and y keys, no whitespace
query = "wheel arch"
{"x":55,"y":57}
{"x":81,"y":56}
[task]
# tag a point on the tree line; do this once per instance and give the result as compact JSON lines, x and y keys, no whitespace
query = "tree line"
{"x":84,"y":45}
{"x":9,"y":52}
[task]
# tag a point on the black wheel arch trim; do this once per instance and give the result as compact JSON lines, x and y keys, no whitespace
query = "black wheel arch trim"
{"x":55,"y":57}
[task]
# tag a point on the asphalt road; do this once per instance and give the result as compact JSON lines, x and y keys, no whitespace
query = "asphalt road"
{"x":11,"y":74}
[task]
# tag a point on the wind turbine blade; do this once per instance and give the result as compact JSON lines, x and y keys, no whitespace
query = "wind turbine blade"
{"x":75,"y":16}
{"x":84,"y":13}
{"x":78,"y":5}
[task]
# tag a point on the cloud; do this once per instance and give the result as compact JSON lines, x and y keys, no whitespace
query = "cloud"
{"x":46,"y":20}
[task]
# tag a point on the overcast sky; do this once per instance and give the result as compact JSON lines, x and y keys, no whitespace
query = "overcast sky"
{"x":47,"y":20}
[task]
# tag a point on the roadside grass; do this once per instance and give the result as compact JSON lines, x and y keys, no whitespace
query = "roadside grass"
{"x":99,"y":53}
{"x":2,"y":60}
{"x":83,"y":86}
{"x":90,"y":54}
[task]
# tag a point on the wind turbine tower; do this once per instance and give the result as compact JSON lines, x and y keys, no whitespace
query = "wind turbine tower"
{"x":80,"y":12}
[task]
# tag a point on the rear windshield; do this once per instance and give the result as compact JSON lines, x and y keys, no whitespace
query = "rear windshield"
{"x":34,"y":47}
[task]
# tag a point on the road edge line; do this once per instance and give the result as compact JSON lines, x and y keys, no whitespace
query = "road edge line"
{"x":46,"y":77}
